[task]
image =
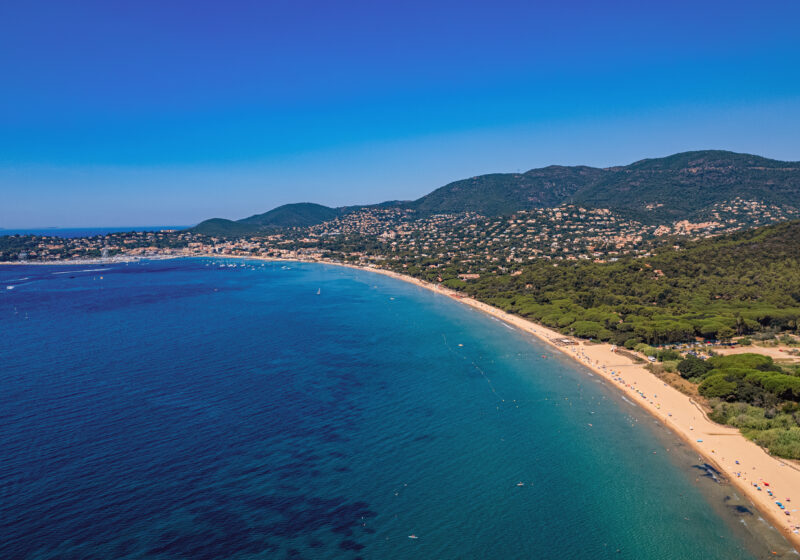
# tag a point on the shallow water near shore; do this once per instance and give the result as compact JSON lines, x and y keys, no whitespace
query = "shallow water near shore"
{"x":190,"y":409}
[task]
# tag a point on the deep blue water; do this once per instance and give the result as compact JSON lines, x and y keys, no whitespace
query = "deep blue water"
{"x":82,"y":232}
{"x":179,"y":409}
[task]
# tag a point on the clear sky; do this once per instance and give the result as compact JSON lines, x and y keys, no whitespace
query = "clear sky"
{"x":147,"y":113}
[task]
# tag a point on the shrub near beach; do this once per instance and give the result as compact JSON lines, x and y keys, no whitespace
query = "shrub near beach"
{"x":754,"y":394}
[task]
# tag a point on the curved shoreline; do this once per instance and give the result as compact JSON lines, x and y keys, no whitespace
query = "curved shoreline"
{"x":743,"y":462}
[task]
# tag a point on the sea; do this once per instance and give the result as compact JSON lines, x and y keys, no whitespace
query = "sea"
{"x":83,"y":232}
{"x":209,"y":409}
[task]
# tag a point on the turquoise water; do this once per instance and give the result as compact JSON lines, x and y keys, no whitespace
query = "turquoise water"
{"x":184,"y":409}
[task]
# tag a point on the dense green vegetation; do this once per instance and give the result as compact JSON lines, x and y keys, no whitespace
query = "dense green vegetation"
{"x":503,"y":193}
{"x":302,"y":214}
{"x":751,"y":378}
{"x":12,"y":245}
{"x":738,"y":284}
{"x":685,"y":185}
{"x":677,"y":187}
{"x":293,"y":215}
{"x":220,"y":227}
{"x":754,"y":394}
{"x":681,"y":186}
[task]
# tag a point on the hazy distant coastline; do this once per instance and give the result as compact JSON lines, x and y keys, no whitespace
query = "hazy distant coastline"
{"x":71,"y":233}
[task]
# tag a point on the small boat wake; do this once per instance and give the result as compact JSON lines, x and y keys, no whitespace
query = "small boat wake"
{"x":84,"y":270}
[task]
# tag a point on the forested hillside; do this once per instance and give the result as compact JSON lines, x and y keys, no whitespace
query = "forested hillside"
{"x":715,"y":288}
{"x":685,"y":186}
{"x":504,"y":193}
{"x":302,"y":214}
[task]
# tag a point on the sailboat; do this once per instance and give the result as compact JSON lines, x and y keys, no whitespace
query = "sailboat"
{"x":319,"y":291}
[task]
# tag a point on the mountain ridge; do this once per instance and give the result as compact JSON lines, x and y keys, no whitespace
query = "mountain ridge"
{"x":652,"y":190}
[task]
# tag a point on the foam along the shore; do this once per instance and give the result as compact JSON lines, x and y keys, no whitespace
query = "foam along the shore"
{"x":764,"y":479}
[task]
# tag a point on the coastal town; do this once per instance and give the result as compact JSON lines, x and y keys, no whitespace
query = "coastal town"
{"x":399,"y":237}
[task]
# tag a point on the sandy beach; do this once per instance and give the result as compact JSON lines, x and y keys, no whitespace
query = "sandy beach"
{"x":762,"y":478}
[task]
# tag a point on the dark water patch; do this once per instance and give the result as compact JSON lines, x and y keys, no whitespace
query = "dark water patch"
{"x":741,"y":510}
{"x":277,"y":503}
{"x":349,"y":544}
{"x":301,"y":515}
{"x":709,"y":471}
{"x":212,"y":544}
{"x":346,"y":530}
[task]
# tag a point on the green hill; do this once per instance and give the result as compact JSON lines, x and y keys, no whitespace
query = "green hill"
{"x":681,"y":186}
{"x":684,"y":186}
{"x":220,"y":227}
{"x":302,"y":214}
{"x":504,"y":193}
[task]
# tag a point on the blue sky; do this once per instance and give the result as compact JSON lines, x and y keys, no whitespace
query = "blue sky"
{"x":171,"y":112}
